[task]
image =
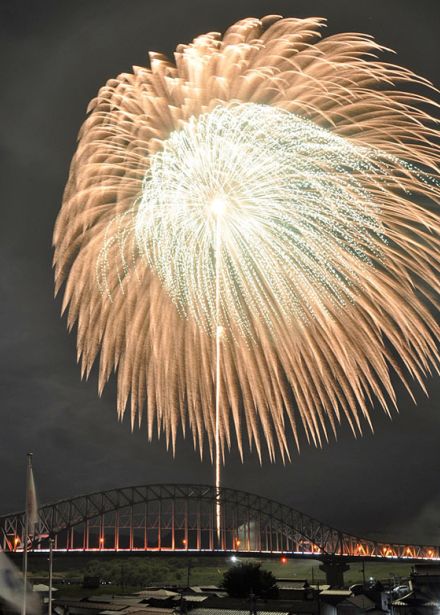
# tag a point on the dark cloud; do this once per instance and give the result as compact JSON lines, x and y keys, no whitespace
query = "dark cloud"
{"x":55,"y":57}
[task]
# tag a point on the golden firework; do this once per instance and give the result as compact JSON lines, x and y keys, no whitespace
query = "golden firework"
{"x":258,"y":217}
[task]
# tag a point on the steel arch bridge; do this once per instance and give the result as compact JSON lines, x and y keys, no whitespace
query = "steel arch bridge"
{"x":179,"y":519}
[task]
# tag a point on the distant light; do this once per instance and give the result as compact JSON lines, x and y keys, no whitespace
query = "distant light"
{"x":283,"y":559}
{"x":234,"y":559}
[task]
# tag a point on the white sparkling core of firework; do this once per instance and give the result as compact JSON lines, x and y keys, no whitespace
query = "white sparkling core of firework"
{"x":298,"y":228}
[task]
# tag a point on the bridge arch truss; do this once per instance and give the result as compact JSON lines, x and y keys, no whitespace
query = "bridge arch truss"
{"x":182,"y":518}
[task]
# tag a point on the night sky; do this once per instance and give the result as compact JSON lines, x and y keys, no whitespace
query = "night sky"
{"x":55,"y":56}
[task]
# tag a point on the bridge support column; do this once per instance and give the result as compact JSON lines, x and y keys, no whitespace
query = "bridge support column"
{"x":334,"y":572}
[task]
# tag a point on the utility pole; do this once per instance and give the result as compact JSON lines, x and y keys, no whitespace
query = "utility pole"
{"x":188,"y":572}
{"x":252,"y":604}
{"x":26,"y":531}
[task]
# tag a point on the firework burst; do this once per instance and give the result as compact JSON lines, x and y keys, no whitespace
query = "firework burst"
{"x":272,"y":190}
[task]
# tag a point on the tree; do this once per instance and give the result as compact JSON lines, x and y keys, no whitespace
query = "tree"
{"x":244,"y":579}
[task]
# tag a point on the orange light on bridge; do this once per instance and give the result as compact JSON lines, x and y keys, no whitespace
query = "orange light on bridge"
{"x":361,"y":550}
{"x":184,"y":542}
{"x":430,"y":553}
{"x":237,"y":543}
{"x":16,"y":542}
{"x":101,"y":542}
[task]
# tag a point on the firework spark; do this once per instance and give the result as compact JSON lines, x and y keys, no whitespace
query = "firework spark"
{"x":259,"y":219}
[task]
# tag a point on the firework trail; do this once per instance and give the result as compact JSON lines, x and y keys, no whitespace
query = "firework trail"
{"x":257,"y":218}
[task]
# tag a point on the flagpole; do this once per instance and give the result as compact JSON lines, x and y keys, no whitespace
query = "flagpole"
{"x":26,"y":531}
{"x":51,"y":541}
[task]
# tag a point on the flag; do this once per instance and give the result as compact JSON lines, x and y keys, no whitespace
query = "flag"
{"x":11,"y":588}
{"x":31,"y":501}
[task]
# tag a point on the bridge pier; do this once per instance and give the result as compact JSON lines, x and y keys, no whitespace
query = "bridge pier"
{"x":334,"y":572}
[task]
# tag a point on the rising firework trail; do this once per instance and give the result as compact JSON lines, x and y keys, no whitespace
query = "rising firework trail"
{"x":249,"y":235}
{"x":218,"y":207}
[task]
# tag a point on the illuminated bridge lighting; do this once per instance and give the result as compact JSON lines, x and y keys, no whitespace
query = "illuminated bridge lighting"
{"x":181,"y":519}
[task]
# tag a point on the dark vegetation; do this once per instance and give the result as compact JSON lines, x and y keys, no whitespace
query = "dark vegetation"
{"x":247,"y":579}
{"x":125,"y":573}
